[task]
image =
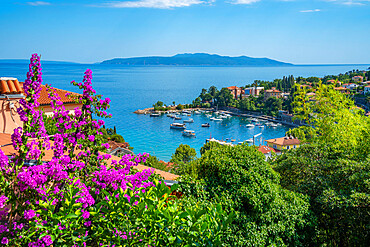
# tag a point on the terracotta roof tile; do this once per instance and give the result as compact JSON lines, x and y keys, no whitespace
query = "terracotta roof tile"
{"x":44,"y":98}
{"x":10,"y":86}
{"x":265,"y":149}
{"x":284,"y":141}
{"x":113,"y":145}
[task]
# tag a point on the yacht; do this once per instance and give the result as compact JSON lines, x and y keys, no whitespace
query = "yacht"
{"x":188,"y":133}
{"x":206,"y":125}
{"x":178,"y":126}
{"x":250,"y":125}
{"x":190,"y":120}
{"x":154,"y":114}
{"x":249,"y":140}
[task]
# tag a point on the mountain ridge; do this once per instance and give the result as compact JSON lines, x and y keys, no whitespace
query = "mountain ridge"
{"x":197,"y":59}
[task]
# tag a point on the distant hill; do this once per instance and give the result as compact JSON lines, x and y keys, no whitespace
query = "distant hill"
{"x":197,"y":59}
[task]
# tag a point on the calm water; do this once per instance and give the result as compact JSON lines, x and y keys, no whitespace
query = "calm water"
{"x":132,"y":88}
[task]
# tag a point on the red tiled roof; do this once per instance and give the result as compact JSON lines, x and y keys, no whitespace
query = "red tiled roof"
{"x":10,"y":86}
{"x":113,"y":145}
{"x":44,"y":98}
{"x":265,"y":149}
{"x":233,"y":88}
{"x":284,"y":141}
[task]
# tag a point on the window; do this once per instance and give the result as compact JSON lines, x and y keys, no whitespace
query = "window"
{"x":287,"y":147}
{"x":294,"y":146}
{"x":274,"y":146}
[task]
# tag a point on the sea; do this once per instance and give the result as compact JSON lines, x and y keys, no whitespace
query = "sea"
{"x":138,"y":87}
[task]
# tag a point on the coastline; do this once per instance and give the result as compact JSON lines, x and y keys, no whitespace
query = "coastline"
{"x":233,"y":113}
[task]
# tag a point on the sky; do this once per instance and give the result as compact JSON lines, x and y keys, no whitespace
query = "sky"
{"x":88,"y":31}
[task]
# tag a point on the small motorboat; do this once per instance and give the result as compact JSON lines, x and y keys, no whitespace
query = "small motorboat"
{"x":188,"y":133}
{"x":273,"y":125}
{"x":190,"y":120}
{"x":197,"y":112}
{"x":206,"y":125}
{"x":249,"y":140}
{"x":155,"y":115}
{"x":261,"y":126}
{"x":217,"y":119}
{"x":178,"y":126}
{"x":177,"y":118}
{"x":250,"y":125}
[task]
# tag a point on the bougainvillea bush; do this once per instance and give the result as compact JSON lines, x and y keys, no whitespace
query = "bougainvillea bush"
{"x":82,"y":197}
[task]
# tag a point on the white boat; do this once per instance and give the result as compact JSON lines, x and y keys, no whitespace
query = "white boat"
{"x":177,"y":118}
{"x":197,"y":112}
{"x":217,"y":119}
{"x":250,"y":125}
{"x":254,"y":120}
{"x":261,"y":126}
{"x":223,"y":117}
{"x":206,"y":125}
{"x":190,"y":120}
{"x":188,"y":133}
{"x":273,"y":125}
{"x":212,"y":118}
{"x":249,"y":140}
{"x":178,"y":126}
{"x":154,"y":114}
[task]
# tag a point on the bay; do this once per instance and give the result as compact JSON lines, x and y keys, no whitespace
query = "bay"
{"x":137,"y":87}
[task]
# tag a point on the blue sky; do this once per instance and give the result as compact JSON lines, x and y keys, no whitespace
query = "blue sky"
{"x":297,"y":31}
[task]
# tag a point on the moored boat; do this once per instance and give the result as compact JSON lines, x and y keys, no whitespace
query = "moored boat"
{"x":177,"y":126}
{"x":154,"y":115}
{"x":188,"y":133}
{"x":206,"y":125}
{"x":190,"y":120}
{"x":250,"y":125}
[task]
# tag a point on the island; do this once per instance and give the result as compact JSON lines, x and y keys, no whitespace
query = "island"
{"x":197,"y":59}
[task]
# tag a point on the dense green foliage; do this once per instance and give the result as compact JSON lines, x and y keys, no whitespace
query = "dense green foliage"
{"x":339,"y":191}
{"x":266,"y":213}
{"x":334,"y":169}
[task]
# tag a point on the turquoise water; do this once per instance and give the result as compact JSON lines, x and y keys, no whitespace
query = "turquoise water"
{"x":132,"y":88}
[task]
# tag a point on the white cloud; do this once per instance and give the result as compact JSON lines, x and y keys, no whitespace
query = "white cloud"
{"x":310,"y":10}
{"x":38,"y":3}
{"x":159,"y":4}
{"x":350,"y":2}
{"x":244,"y":1}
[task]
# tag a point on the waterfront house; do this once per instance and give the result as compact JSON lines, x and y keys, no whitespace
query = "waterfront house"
{"x":273,"y":92}
{"x":236,"y":91}
{"x":283,"y":143}
{"x":68,"y":102}
{"x":358,"y":78}
{"x":267,"y":151}
{"x":11,"y":91}
{"x":252,"y":91}
{"x":350,"y":86}
{"x":118,"y":149}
